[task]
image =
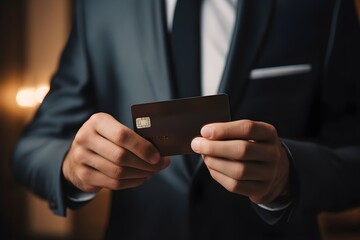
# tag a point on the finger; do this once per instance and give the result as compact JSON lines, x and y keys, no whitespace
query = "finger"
{"x":246,"y":188}
{"x":119,"y":155}
{"x":239,"y":170}
{"x":92,"y":179}
{"x":114,"y":171}
{"x":241,"y":129}
{"x":122,"y":136}
{"x":113,"y":184}
{"x":234,"y":149}
{"x":105,"y":148}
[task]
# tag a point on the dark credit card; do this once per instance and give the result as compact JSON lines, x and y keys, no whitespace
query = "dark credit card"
{"x":172,"y":125}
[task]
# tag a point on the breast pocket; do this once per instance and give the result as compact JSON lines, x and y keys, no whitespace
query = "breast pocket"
{"x":280,"y":71}
{"x":281,"y":95}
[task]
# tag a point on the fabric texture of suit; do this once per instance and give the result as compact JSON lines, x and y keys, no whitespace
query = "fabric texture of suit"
{"x":116,"y":56}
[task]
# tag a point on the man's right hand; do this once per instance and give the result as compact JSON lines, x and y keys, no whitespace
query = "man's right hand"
{"x":107,"y":154}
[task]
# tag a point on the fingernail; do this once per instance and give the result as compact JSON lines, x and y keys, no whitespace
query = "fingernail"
{"x":195,"y":144}
{"x":206,"y":132}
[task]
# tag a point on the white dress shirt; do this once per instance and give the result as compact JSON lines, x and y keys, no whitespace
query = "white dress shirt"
{"x":217,"y":27}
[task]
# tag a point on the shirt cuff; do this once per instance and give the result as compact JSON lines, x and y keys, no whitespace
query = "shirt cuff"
{"x":79,"y":196}
{"x":276,"y":205}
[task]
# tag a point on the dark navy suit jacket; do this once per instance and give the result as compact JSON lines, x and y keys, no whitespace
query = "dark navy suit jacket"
{"x":116,"y":56}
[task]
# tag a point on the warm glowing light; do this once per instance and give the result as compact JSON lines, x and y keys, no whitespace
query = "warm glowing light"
{"x":26,"y":97}
{"x":30,"y":97}
{"x":41,"y":92}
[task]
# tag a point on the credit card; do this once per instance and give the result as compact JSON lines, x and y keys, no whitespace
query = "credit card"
{"x":172,"y":125}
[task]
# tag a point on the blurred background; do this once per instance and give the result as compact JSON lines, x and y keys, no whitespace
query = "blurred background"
{"x":32,"y":35}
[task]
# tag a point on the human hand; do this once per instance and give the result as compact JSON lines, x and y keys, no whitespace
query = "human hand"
{"x":245,"y":157}
{"x":107,"y":154}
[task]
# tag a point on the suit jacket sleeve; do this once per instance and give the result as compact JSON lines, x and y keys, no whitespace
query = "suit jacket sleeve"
{"x":38,"y":156}
{"x":326,"y":168}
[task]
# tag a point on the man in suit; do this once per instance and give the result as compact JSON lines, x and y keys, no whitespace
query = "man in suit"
{"x":291,"y":150}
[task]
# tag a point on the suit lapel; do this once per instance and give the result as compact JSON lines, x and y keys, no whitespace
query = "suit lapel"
{"x":253,"y":17}
{"x":152,"y":35}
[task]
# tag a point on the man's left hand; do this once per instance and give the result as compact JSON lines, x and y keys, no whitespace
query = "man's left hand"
{"x":245,"y":157}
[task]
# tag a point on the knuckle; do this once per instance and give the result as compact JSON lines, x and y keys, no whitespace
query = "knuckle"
{"x":96,"y":118}
{"x":147,"y":148}
{"x":240,"y":171}
{"x":81,"y":184}
{"x":84,"y":174}
{"x":242,"y":150}
{"x":118,"y":154}
{"x":248,"y":127}
{"x":118,"y":172}
{"x":81,"y":137}
{"x":77,"y":182}
{"x":78,"y":153}
{"x":217,"y":132}
{"x":143,"y":147}
{"x":205,"y":147}
{"x":122,"y":134}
